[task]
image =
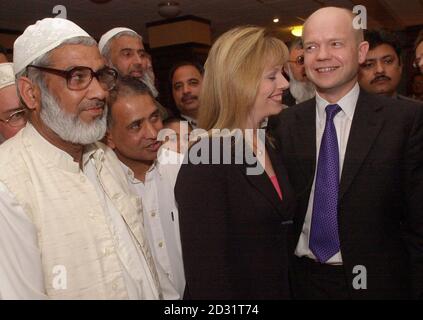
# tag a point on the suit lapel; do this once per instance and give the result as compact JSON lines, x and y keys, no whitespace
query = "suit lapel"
{"x":281,"y":174}
{"x":262,"y":183}
{"x":366,"y":125}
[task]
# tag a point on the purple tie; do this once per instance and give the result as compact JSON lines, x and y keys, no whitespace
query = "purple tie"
{"x":324,"y":239}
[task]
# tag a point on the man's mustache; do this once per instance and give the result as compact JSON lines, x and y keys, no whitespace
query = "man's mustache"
{"x":186,"y":97}
{"x":137,"y":68}
{"x":94,"y":104}
{"x":382,"y":77}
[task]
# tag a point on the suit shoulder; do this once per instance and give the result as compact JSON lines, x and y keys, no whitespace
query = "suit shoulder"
{"x":393,"y":106}
{"x":404,"y":98}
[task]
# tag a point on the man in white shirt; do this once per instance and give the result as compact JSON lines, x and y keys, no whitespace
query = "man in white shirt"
{"x":69,"y":228}
{"x":355,"y":161}
{"x":133,"y":125}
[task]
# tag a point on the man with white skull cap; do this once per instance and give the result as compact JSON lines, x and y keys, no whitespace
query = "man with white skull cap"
{"x":12,"y":115}
{"x":69,"y":228}
{"x":124,"y":50}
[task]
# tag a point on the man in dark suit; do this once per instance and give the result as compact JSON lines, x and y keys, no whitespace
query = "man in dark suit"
{"x":382,"y":70}
{"x":355,"y":161}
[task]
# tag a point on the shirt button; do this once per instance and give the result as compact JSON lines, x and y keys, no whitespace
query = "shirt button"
{"x":153,"y":214}
{"x":161,"y":244}
{"x":83,"y":179}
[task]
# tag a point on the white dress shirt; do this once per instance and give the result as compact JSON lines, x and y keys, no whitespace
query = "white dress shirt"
{"x":21,"y":275}
{"x":161,"y":222}
{"x":190,"y":120}
{"x":342,"y":122}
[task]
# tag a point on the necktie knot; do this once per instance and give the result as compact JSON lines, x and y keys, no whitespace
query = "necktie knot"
{"x":331,"y":111}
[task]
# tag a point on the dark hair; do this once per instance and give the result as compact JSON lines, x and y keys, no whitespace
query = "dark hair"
{"x":179,"y":64}
{"x":126,"y":86}
{"x":3,"y":50}
{"x":297,"y":43}
{"x":172,"y":120}
{"x":376,"y":38}
{"x":419,"y":39}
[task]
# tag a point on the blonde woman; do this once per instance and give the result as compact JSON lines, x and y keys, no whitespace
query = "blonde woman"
{"x":234,"y":222}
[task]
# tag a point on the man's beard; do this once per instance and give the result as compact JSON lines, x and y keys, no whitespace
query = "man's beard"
{"x":68,"y":126}
{"x":147,"y":78}
{"x":301,"y":91}
{"x":149,"y":82}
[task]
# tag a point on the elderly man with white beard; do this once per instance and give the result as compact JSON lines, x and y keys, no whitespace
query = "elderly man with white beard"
{"x":123,"y":50}
{"x":300,"y":87}
{"x":69,"y":227}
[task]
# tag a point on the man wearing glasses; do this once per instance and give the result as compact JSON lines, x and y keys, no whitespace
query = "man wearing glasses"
{"x":12,"y":115}
{"x":69,"y":227}
{"x":300,"y":87}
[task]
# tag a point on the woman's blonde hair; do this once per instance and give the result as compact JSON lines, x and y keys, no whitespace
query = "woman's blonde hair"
{"x":233,"y":72}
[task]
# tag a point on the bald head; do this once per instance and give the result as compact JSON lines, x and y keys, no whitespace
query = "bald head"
{"x":333,"y":51}
{"x":329,"y":14}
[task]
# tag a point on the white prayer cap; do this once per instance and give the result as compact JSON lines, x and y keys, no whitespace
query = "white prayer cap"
{"x":110,"y":34}
{"x":7,"y":77}
{"x":41,"y":37}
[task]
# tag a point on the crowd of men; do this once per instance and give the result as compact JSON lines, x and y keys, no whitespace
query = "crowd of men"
{"x":87,"y":207}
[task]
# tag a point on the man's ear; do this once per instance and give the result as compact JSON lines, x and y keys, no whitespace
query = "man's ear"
{"x":30,"y":93}
{"x":109,"y":140}
{"x":363,"y":48}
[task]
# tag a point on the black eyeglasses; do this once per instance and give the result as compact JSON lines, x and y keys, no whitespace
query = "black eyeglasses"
{"x":299,"y":60}
{"x":79,"y":78}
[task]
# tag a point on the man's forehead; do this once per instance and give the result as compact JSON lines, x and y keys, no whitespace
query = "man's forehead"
{"x":186,"y":72}
{"x":324,"y":26}
{"x":382,"y":50}
{"x":77,"y":55}
{"x":134,"y":105}
{"x":127,"y":42}
{"x":9,"y":98}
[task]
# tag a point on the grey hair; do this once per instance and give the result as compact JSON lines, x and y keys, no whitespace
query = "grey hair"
{"x":36,"y":76}
{"x":105,"y":52}
{"x":297,"y":43}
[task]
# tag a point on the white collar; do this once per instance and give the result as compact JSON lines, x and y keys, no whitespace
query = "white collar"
{"x":190,"y":120}
{"x":57,"y":156}
{"x":347,"y":103}
{"x":149,"y":175}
